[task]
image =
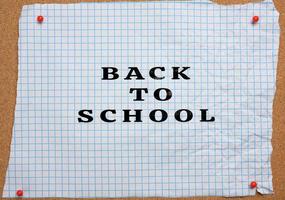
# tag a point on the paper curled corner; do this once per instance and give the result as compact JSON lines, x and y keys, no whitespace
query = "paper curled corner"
{"x":264,"y":190}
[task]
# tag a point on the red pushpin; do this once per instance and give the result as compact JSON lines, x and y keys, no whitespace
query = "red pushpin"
{"x":40,"y":19}
{"x":255,"y":19}
{"x":20,"y":193}
{"x":253,"y":184}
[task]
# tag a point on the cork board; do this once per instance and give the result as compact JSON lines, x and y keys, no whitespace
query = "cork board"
{"x":10,"y":12}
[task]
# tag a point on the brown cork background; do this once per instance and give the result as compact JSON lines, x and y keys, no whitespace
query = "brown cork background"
{"x":9,"y":15}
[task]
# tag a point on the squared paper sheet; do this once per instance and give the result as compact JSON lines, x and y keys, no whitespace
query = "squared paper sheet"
{"x":232,"y":74}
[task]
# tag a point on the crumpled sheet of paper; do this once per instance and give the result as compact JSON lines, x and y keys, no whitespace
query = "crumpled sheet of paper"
{"x":232,"y":74}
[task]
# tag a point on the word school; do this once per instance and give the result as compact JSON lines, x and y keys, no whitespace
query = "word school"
{"x":156,"y":115}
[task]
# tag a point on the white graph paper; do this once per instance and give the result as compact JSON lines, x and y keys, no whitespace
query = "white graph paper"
{"x":232,"y":74}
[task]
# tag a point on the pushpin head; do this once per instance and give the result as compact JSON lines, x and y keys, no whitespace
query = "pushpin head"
{"x":255,"y":19}
{"x":40,"y":19}
{"x":20,"y":193}
{"x":253,"y":184}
